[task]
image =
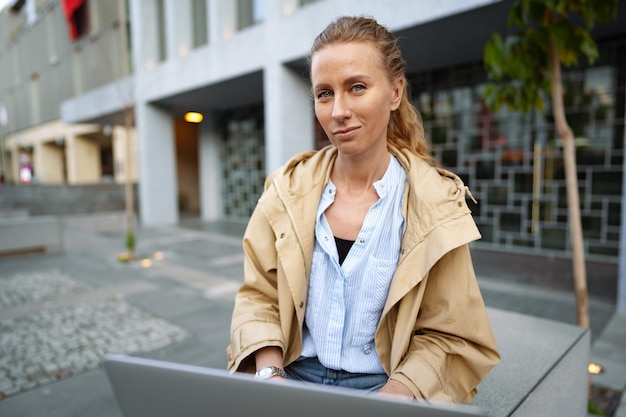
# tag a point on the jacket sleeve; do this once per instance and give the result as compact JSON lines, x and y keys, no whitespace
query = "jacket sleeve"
{"x":452,"y":347}
{"x":255,"y":320}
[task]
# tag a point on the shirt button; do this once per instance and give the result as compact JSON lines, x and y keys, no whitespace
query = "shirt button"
{"x":367,"y":349}
{"x":362,"y":241}
{"x":282,"y":235}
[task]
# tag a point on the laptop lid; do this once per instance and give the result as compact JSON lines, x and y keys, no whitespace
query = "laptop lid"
{"x":148,"y":387}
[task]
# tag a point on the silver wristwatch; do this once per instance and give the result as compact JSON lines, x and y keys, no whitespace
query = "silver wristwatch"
{"x":267,"y":372}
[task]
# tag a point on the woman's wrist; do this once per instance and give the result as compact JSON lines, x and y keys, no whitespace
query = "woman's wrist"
{"x":269,"y":356}
{"x":397,"y":389}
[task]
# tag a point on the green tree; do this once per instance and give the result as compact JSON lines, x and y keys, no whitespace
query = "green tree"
{"x":524,"y":69}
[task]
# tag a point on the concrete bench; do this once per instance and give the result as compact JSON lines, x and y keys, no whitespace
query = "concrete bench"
{"x":543,"y":371}
{"x":30,"y":234}
{"x":8,"y":213}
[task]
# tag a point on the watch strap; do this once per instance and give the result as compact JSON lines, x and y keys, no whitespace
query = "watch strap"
{"x":270,"y":371}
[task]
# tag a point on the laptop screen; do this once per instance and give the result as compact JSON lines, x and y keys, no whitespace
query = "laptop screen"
{"x":148,"y":387}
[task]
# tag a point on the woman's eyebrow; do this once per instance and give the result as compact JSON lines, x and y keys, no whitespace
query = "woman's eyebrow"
{"x":321,"y":86}
{"x":358,"y":77}
{"x":347,"y":81}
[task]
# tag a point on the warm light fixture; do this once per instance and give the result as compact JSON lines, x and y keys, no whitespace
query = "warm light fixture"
{"x":158,"y":256}
{"x":146,"y":263}
{"x":193,"y":117}
{"x":595,"y":368}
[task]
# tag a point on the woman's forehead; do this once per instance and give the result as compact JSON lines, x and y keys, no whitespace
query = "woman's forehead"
{"x":346,"y":53}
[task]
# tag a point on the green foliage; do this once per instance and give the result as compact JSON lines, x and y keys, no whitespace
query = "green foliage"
{"x":594,"y":409}
{"x":518,"y":66}
{"x":130,"y":241}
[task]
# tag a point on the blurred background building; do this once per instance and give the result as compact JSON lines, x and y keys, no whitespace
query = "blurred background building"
{"x":74,"y":73}
{"x":51,"y":51}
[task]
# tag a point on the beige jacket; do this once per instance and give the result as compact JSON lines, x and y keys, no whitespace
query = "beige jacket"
{"x":434,"y":335}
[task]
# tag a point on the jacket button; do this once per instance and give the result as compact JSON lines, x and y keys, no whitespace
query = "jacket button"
{"x":282,"y":235}
{"x":301,"y":304}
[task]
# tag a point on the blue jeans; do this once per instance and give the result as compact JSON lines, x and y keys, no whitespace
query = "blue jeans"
{"x":311,"y":370}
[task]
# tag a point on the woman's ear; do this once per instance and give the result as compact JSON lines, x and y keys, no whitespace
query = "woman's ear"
{"x":398,"y":90}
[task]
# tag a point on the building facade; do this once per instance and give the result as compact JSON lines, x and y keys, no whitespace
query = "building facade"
{"x":242,"y":65}
{"x":51,"y":51}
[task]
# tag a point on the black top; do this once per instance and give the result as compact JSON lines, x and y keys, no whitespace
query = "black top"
{"x":343,"y":247}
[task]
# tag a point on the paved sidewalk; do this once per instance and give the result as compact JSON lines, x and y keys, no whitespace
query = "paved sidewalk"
{"x":60,"y":314}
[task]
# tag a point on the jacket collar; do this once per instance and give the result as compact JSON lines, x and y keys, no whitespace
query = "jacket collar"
{"x":434,"y":209}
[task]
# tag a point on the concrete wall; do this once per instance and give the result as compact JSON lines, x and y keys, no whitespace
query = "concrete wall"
{"x":64,"y":199}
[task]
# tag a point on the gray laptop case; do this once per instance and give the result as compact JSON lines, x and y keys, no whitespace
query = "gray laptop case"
{"x":148,"y":387}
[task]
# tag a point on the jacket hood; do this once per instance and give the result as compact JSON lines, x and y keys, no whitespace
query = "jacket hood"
{"x":303,"y":172}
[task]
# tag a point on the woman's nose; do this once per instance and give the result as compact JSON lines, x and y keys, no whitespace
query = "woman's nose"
{"x":341,"y":108}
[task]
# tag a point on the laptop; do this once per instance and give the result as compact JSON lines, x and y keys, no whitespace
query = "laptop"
{"x":148,"y":387}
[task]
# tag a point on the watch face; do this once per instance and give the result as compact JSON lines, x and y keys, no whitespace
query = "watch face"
{"x":266,"y":372}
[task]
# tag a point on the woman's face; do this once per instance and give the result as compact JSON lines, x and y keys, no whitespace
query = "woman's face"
{"x":353,"y":96}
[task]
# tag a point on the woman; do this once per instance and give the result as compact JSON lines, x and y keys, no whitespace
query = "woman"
{"x":357,"y":267}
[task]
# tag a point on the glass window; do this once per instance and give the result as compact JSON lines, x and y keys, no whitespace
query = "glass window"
{"x":512,"y":160}
{"x":199,"y":18}
{"x":161,"y":30}
{"x":250,"y":12}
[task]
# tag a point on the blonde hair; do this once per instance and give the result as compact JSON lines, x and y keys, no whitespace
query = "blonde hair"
{"x":405,"y":129}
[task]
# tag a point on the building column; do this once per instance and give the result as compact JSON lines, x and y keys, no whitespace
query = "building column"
{"x":157,"y":166}
{"x":178,"y":21}
{"x":288,"y":115}
{"x":210,"y":169}
{"x":83,"y":160}
{"x":49,"y":163}
{"x":222,"y":20}
{"x":145,"y":34}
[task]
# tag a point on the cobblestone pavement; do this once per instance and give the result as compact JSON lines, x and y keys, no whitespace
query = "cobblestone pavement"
{"x":49,"y":344}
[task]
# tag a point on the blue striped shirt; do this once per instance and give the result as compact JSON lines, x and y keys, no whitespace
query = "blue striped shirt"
{"x":345,"y":301}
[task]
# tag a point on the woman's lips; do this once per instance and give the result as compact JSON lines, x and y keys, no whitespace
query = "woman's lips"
{"x":345,"y":133}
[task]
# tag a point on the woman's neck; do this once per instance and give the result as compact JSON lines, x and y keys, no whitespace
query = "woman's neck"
{"x":357,"y":176}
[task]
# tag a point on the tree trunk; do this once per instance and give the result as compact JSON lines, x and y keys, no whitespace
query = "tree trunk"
{"x":130,"y":229}
{"x":571,"y":178}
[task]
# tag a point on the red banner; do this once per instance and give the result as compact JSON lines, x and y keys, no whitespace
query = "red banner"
{"x":69,"y":11}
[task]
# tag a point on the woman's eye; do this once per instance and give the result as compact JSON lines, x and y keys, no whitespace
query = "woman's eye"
{"x":323,"y":94}
{"x":358,"y":87}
